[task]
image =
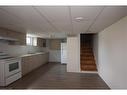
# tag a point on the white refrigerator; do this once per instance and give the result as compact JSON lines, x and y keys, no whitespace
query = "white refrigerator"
{"x":63,"y":53}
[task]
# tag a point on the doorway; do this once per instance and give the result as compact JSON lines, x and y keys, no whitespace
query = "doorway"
{"x":87,"y":61}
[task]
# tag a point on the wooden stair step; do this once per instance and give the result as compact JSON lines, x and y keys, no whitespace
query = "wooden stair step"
{"x":90,"y":62}
{"x":87,"y":58}
{"x":84,"y":53}
{"x":89,"y":67}
{"x":86,"y":47}
{"x":86,"y":50}
{"x":89,"y":52}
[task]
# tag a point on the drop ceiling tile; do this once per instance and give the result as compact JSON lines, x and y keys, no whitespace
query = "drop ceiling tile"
{"x":109,"y":16}
{"x":58,"y":16}
{"x":57,"y":20}
{"x":55,"y":13}
{"x":81,"y":27}
{"x":88,"y":14}
{"x":8,"y":19}
{"x":30,"y":17}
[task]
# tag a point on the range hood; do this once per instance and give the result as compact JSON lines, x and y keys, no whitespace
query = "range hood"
{"x":8,"y":38}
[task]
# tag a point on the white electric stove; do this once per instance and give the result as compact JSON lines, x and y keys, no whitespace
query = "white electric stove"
{"x":10,"y":69}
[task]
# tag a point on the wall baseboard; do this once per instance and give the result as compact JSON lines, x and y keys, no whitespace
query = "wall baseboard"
{"x":104,"y":80}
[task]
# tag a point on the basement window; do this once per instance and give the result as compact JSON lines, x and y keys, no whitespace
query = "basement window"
{"x":31,"y":41}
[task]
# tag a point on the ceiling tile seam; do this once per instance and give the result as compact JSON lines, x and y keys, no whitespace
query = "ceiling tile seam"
{"x":45,"y":18}
{"x":20,"y":19}
{"x":96,"y":19}
{"x":70,"y":14}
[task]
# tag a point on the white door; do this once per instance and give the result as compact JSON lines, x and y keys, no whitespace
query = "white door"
{"x":73,"y":54}
{"x":63,"y":53}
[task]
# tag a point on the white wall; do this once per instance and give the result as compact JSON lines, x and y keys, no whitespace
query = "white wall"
{"x":112,"y":55}
{"x":73,"y":54}
{"x":54,"y":56}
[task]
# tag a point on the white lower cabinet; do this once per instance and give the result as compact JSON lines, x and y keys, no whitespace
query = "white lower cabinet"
{"x":31,"y":62}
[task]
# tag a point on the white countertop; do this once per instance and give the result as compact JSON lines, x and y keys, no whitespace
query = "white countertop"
{"x":31,"y":54}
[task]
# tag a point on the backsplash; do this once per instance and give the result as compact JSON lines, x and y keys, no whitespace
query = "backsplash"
{"x":17,"y":50}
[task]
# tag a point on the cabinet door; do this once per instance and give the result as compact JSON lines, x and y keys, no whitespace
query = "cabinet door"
{"x":25,"y":65}
{"x":45,"y":58}
{"x":34,"y":62}
{"x":30,"y":63}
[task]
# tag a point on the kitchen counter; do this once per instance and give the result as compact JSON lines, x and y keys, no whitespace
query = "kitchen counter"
{"x":32,"y":61}
{"x":31,"y":54}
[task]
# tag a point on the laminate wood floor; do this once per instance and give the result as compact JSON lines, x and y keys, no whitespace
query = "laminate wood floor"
{"x":54,"y":76}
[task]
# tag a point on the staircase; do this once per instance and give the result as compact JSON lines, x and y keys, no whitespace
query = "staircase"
{"x":87,"y":58}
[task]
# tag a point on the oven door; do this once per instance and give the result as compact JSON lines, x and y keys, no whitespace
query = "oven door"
{"x":12,"y":67}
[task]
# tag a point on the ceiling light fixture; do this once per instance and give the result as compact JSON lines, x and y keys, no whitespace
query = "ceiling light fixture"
{"x":79,"y":19}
